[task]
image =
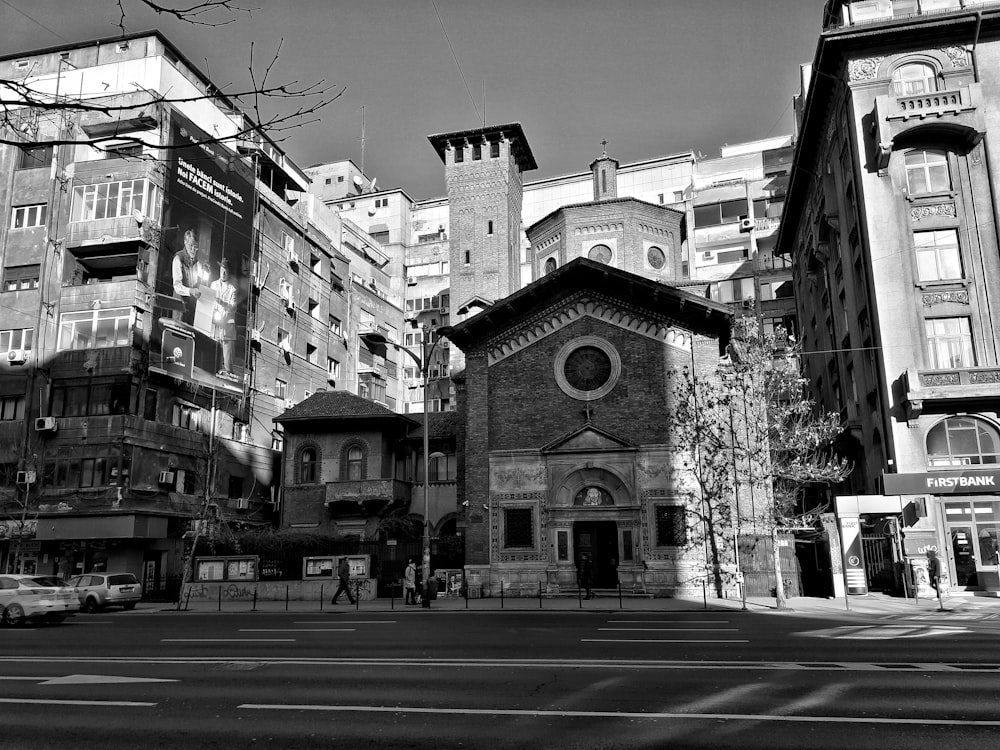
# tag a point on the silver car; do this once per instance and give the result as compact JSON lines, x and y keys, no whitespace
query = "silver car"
{"x":98,"y":590}
{"x":24,"y":597}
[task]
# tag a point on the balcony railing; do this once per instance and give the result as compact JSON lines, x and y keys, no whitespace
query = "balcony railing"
{"x":934,"y":103}
{"x":868,"y":12}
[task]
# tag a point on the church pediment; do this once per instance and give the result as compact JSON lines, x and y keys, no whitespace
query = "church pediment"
{"x":587,"y":438}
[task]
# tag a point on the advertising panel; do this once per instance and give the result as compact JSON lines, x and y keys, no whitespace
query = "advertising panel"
{"x":966,"y":482}
{"x":202,"y":277}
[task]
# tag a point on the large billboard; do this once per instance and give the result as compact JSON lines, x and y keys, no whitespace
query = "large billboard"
{"x":202,"y":277}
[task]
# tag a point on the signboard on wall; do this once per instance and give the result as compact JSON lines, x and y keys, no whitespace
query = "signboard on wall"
{"x":943,"y":483}
{"x":202,"y":276}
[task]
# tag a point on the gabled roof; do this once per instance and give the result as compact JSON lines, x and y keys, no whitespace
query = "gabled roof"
{"x":337,"y":405}
{"x":587,"y":438}
{"x":663,"y":302}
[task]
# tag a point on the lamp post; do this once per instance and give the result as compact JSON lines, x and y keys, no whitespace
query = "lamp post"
{"x":423,"y":365}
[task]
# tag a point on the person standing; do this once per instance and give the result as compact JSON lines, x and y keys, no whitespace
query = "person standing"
{"x":586,"y":576}
{"x":344,"y":576}
{"x":410,"y":582}
{"x":189,"y":273}
{"x":224,"y":319}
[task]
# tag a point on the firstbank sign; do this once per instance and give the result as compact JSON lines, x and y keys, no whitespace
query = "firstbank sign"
{"x":942,"y":483}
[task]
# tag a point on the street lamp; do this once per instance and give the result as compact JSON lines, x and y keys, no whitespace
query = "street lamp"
{"x":374,"y":338}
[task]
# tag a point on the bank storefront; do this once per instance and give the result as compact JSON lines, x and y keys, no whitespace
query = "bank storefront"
{"x":964,"y":508}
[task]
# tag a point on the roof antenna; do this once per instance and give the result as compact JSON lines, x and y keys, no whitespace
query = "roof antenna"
{"x":484,"y":103}
{"x":362,"y":139}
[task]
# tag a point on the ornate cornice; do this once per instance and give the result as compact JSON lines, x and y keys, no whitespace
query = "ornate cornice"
{"x":936,"y":298}
{"x":946,"y":210}
{"x":589,"y":308}
{"x":864,"y":68}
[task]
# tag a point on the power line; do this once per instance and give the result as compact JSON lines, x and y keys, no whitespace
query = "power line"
{"x":35,"y":21}
{"x":457,"y":64}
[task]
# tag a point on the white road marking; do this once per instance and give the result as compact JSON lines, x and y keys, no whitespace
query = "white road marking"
{"x":227,"y":640}
{"x":345,"y":622}
{"x":623,"y":715}
{"x":676,"y":630}
{"x":297,"y":630}
{"x":653,"y":640}
{"x":85,"y":679}
{"x":53,"y":702}
{"x":679,"y":622}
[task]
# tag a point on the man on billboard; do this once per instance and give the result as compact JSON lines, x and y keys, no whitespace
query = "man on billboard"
{"x":224,"y":319}
{"x":189,"y":274}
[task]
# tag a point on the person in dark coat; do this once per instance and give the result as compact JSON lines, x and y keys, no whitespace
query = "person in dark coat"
{"x":586,"y":576}
{"x":344,"y":576}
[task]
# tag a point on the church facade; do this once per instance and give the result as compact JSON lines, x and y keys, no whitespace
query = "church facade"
{"x":566,"y":455}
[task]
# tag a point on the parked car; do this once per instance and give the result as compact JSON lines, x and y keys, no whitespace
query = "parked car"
{"x":98,"y":590}
{"x":24,"y":597}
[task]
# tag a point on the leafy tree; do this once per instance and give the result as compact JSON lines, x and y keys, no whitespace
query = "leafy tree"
{"x":760,"y":451}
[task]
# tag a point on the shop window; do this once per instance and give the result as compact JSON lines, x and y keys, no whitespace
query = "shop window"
{"x":519,"y":528}
{"x":963,"y":441}
{"x":949,"y":343}
{"x":671,"y":526}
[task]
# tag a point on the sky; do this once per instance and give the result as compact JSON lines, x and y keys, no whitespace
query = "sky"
{"x":652,"y":77}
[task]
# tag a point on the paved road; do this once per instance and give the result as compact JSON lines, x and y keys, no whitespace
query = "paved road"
{"x":417,"y":678}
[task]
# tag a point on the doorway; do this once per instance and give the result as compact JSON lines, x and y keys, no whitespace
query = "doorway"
{"x":599,"y":540}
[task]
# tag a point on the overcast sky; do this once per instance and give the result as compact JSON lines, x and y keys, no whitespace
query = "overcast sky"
{"x":653,"y":77}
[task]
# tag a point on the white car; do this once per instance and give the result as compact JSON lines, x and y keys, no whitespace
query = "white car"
{"x":24,"y":597}
{"x":99,"y":590}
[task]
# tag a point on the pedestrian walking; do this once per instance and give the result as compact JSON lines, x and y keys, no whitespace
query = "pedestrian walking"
{"x":344,"y":576}
{"x":410,"y":582}
{"x":934,"y":574}
{"x":585,"y":576}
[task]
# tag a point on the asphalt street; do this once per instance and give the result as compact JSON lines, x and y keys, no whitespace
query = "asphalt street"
{"x":563,"y":679}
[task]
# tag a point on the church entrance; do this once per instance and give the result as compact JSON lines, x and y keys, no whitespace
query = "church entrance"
{"x":599,"y":540}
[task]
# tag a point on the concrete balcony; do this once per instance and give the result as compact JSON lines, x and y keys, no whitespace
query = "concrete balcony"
{"x":959,"y":385}
{"x":365,"y":496}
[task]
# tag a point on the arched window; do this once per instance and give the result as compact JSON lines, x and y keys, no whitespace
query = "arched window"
{"x":963,"y":441}
{"x":550,"y":265}
{"x":308,"y":465}
{"x":927,"y":172}
{"x":355,"y":462}
{"x":914,"y":78}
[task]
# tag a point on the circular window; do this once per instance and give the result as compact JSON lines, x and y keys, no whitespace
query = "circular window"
{"x":587,"y":368}
{"x":600,"y":253}
{"x":656,"y":258}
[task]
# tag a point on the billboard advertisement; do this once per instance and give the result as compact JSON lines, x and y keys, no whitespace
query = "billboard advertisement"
{"x":202,"y":276}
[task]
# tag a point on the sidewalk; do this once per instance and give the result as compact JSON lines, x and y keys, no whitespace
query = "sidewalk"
{"x":870,"y":605}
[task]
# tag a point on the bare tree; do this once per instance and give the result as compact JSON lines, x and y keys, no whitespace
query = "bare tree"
{"x":753,"y":433}
{"x":264,"y":107}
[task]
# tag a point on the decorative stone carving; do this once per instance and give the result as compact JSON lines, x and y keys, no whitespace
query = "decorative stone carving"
{"x":518,"y":477}
{"x":936,"y":298}
{"x":959,"y":56}
{"x":940,"y":378}
{"x":864,"y":68}
{"x":936,"y":209}
{"x":985,"y":376}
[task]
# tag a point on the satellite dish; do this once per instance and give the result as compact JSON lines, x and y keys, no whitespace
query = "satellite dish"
{"x":358,"y":181}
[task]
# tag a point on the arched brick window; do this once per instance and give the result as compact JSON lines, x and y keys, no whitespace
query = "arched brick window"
{"x":963,"y":441}
{"x":354,"y":460}
{"x":308,"y":464}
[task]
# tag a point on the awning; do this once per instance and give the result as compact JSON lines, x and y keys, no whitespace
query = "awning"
{"x":127,"y":526}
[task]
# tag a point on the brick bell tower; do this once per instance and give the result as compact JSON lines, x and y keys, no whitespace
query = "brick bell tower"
{"x":483,"y":173}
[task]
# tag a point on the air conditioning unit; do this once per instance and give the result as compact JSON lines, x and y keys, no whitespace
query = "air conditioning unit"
{"x":242,"y":503}
{"x":411,"y":280}
{"x":746,"y":225}
{"x":254,"y":335}
{"x":166,"y":477}
{"x":293,"y":257}
{"x":290,"y":303}
{"x":26,"y":477}
{"x":46,"y":424}
{"x":289,"y":403}
{"x":443,"y":311}
{"x":285,"y":346}
{"x":17,"y":356}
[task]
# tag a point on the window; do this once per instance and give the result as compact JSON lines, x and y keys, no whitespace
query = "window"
{"x":938,"y":257}
{"x":550,"y":265}
{"x":914,"y":78}
{"x":280,"y":388}
{"x":518,"y":527}
{"x":32,"y":157}
{"x":277,"y":441}
{"x":671,"y":528}
{"x":494,"y":149}
{"x":927,"y":172}
{"x":24,"y":217}
{"x":96,"y":400}
{"x":714,"y":214}
{"x":328,"y":181}
{"x":949,"y":343}
{"x":441,"y":469}
{"x":316,"y":264}
{"x":312,"y":354}
{"x":355,"y":463}
{"x":186,"y":416}
{"x":340,"y":178}
{"x":20,"y":278}
{"x":307,"y":465}
{"x":600,"y":253}
{"x":109,"y":200}
{"x":93,"y":472}
{"x":235,"y":487}
{"x":477,"y":151}
{"x":332,"y":368}
{"x":313,"y":307}
{"x":335,"y":326}
{"x":11,"y":408}
{"x":489,"y":227}
{"x":123,"y":151}
{"x":963,"y":441}
{"x":459,"y":154}
{"x":95,"y":329}
{"x":17,"y":338}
